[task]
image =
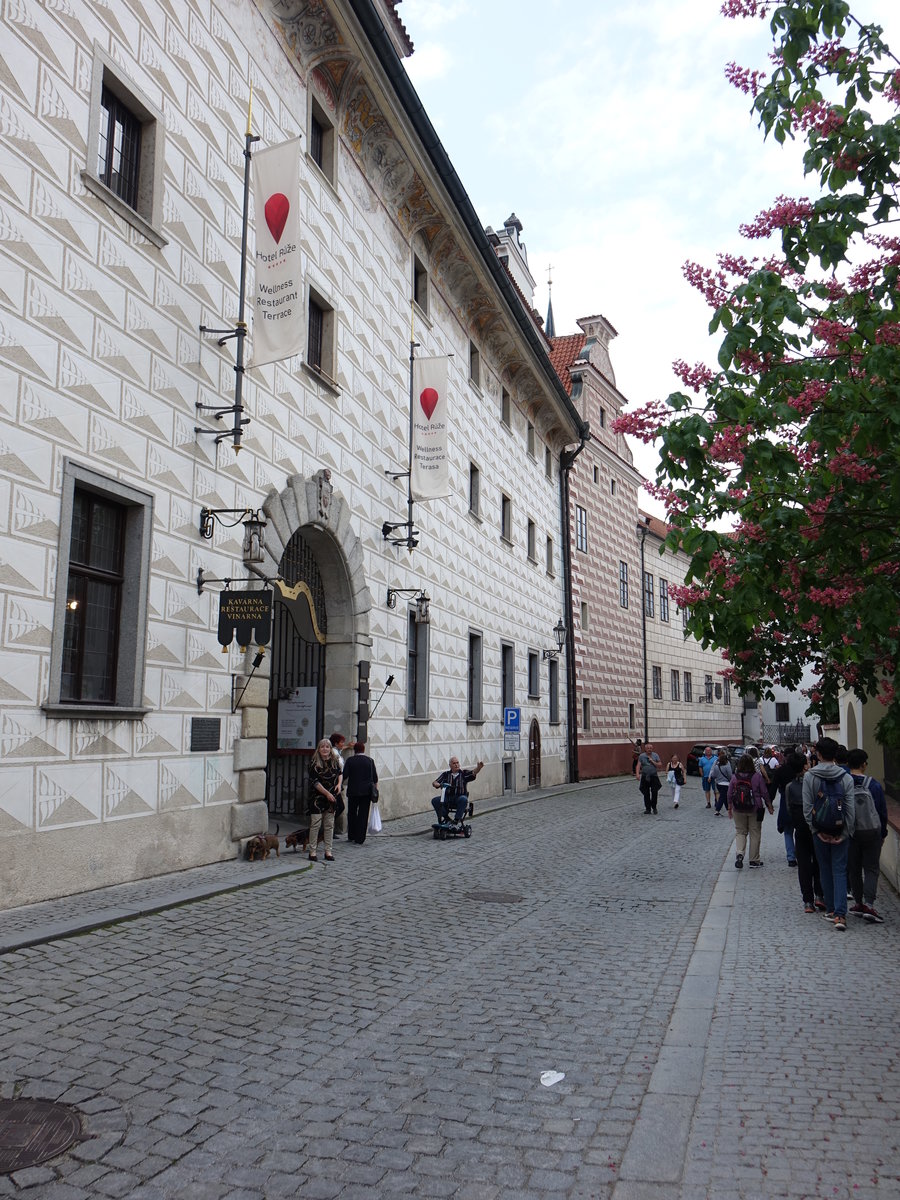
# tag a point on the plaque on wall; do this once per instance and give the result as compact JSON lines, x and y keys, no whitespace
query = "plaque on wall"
{"x":206,"y":733}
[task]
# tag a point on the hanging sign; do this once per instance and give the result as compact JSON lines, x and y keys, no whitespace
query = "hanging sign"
{"x":278,"y":293}
{"x":429,"y":473}
{"x":246,"y":616}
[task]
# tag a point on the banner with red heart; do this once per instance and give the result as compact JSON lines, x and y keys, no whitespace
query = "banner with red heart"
{"x":277,"y":208}
{"x":429,"y":473}
{"x":429,"y":401}
{"x":278,"y":328}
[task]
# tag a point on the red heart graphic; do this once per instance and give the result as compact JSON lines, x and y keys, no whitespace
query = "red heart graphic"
{"x":429,"y":401}
{"x":277,"y":208}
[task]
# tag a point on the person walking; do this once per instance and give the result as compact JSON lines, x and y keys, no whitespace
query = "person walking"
{"x":649,"y":763}
{"x":830,"y":812}
{"x":706,"y":764}
{"x":804,"y":850}
{"x":360,"y":780}
{"x":720,"y":776}
{"x":868,"y":837}
{"x":325,"y":778}
{"x":748,"y":798}
{"x":675,"y":776}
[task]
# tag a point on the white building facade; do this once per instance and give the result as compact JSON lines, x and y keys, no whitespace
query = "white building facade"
{"x":131,"y":743}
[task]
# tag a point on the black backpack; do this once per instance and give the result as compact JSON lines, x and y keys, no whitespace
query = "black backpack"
{"x":828,"y":805}
{"x":742,"y":797}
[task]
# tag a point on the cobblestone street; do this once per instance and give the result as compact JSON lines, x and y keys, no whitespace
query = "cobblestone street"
{"x":379,"y":1027}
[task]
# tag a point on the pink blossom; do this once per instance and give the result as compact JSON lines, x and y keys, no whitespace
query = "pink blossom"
{"x":643,"y":423}
{"x":835,"y":597}
{"x":814,"y":392}
{"x":888,"y":334}
{"x":785,"y":213}
{"x":892,"y":88}
{"x":744,"y":8}
{"x":697,"y":378}
{"x":743,"y":79}
{"x":834,"y":334}
{"x":851,"y":466}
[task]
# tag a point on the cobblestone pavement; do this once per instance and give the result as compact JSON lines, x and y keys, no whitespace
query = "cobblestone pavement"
{"x":380,"y":1027}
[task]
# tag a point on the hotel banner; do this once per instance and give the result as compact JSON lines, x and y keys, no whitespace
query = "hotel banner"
{"x":429,"y":477}
{"x":278,"y":294}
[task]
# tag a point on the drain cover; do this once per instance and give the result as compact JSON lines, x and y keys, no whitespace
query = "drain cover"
{"x":31,"y":1131}
{"x":495,"y":897}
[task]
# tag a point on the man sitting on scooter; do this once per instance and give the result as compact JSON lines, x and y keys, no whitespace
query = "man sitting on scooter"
{"x":455,"y":783}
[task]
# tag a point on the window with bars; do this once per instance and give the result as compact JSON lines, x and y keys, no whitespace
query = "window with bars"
{"x":416,"y":667}
{"x":708,"y":688}
{"x":726,"y":691}
{"x":657,"y":683}
{"x":663,"y":599}
{"x":675,"y":684}
{"x":320,"y":356}
{"x":648,"y":594}
{"x":581,"y":536}
{"x":688,"y":688}
{"x":119,"y":148}
{"x":623,"y":584}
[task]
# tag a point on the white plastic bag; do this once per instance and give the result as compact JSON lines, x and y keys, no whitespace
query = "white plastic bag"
{"x":374,"y":819}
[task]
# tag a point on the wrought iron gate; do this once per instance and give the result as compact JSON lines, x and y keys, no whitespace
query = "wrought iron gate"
{"x":298,"y":661}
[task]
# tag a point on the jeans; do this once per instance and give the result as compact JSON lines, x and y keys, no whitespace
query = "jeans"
{"x":862,"y":865}
{"x":721,"y":796}
{"x":832,"y":858}
{"x":462,"y":804}
{"x":789,"y":848}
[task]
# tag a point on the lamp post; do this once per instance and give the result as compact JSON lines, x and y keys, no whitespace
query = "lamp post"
{"x":559,"y":632}
{"x":643,"y":526}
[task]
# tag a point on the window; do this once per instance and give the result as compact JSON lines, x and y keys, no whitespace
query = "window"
{"x":708,"y":688}
{"x":663,"y":600}
{"x":726,"y":690}
{"x":631,"y":716}
{"x":596,"y":474}
{"x":505,"y":518}
{"x":648,"y":593}
{"x":505,"y":408}
{"x":657,"y":683}
{"x":584,"y":616}
{"x":612,"y":487}
{"x":474,"y":365}
{"x":474,"y":490}
{"x":100,"y":618}
{"x":320,"y":337}
{"x":322,"y":141}
{"x":688,"y":688}
{"x":602,"y":416}
{"x":549,"y":553}
{"x":586,"y":714}
{"x":507,"y":676}
{"x":623,"y":584}
{"x":420,"y":284}
{"x":529,"y":439}
{"x":534,"y":683}
{"x":548,"y":462}
{"x":475,"y":672}
{"x":126,"y":139}
{"x":553,"y":689}
{"x":782,"y":712}
{"x":581,"y":528}
{"x":416,"y":667}
{"x":675,"y":685}
{"x":532,"y":541}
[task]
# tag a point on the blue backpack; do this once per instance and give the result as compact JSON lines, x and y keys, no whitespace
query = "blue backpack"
{"x":828,"y":806}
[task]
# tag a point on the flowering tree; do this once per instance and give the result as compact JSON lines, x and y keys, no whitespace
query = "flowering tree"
{"x":794,"y":440}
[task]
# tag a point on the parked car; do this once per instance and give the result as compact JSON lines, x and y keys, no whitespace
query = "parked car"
{"x":693,"y":756}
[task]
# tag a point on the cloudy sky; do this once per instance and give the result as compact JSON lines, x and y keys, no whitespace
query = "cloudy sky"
{"x":611,"y":131}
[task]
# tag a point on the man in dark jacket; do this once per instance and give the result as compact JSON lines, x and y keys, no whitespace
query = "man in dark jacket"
{"x":831,"y":844}
{"x":360,"y":777}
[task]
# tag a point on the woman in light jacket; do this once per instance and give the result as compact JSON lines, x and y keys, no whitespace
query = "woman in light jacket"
{"x":748,"y":783}
{"x":720,"y":774}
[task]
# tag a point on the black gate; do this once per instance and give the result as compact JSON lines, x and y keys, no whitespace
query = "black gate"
{"x":298,"y":662}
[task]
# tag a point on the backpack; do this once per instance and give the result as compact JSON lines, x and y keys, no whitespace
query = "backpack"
{"x":828,"y":806}
{"x":867,"y":818}
{"x":648,"y":767}
{"x":742,"y":797}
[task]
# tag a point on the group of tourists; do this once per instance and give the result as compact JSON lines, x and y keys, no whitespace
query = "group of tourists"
{"x":329,"y":774}
{"x":832,"y":816}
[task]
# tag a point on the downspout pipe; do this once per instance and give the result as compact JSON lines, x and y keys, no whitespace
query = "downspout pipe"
{"x":566,"y":461}
{"x":643,"y":526}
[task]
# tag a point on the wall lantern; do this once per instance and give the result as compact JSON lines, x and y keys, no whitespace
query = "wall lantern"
{"x":421,"y":597}
{"x":559,"y":632}
{"x":254,"y":529}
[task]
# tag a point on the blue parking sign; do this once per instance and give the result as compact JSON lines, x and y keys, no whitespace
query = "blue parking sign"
{"x":512,"y":720}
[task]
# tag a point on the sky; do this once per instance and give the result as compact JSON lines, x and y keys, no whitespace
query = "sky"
{"x":611,"y":131}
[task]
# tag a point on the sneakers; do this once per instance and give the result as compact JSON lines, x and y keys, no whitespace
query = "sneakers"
{"x":872,"y":915}
{"x":739,"y":861}
{"x":675,"y":804}
{"x":708,"y":805}
{"x":829,"y":916}
{"x":754,"y":862}
{"x":858,"y":910}
{"x":819,"y":903}
{"x":809,"y":907}
{"x":792,"y":862}
{"x":840,"y":923}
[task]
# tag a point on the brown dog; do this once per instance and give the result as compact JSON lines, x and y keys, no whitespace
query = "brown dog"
{"x":258,"y":847}
{"x":298,"y":840}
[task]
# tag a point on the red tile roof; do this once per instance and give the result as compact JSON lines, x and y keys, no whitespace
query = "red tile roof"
{"x":564,"y":351}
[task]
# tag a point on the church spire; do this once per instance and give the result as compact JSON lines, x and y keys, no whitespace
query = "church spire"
{"x":550,"y":327}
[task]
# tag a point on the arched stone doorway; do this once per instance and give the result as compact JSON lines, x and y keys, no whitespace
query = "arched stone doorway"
{"x":323,"y":519}
{"x":534,"y":754}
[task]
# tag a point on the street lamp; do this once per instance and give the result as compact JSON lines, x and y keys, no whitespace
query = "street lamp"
{"x":559,"y":631}
{"x":421,"y":597}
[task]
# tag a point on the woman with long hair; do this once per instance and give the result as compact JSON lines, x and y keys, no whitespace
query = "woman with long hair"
{"x":325,"y":778}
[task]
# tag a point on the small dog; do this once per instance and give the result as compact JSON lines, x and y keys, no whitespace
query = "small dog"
{"x":299,"y":839}
{"x":258,"y":847}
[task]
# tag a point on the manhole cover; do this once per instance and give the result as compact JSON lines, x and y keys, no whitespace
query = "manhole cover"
{"x":495,"y":897}
{"x":31,"y":1131}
